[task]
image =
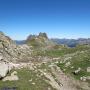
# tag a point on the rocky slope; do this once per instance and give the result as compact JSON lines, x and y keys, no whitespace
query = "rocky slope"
{"x":11,"y":53}
{"x":42,"y":65}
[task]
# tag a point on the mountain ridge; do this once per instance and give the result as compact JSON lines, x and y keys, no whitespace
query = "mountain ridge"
{"x":68,"y":42}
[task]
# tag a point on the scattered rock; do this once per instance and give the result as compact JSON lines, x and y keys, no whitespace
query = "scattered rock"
{"x":33,"y":83}
{"x":49,"y":88}
{"x":77,"y":71}
{"x":88,"y":69}
{"x":72,"y":67}
{"x":51,"y":65}
{"x":67,"y":58}
{"x":4,"y":69}
{"x":56,"y":59}
{"x":61,"y":62}
{"x":56,"y":62}
{"x":64,"y":70}
{"x":88,"y":77}
{"x":13,"y":77}
{"x":14,"y":73}
{"x":83,"y":78}
{"x":67,"y":64}
{"x":30,"y":80}
{"x":1,"y":58}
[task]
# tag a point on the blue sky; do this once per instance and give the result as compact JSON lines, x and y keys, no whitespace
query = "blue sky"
{"x":58,"y":18}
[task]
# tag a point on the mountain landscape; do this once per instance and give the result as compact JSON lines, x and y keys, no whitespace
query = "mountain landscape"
{"x":68,"y":42}
{"x":38,"y":63}
{"x":44,"y":44}
{"x":72,"y":42}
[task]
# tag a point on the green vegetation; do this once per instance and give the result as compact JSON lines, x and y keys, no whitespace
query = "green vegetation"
{"x":59,"y":51}
{"x":28,"y":81}
{"x":80,"y":60}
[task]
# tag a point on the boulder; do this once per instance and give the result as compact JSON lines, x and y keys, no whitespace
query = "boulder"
{"x":88,"y":77}
{"x":83,"y":78}
{"x":77,"y":71}
{"x":13,"y":77}
{"x":67,"y":64}
{"x":4,"y":68}
{"x":88,"y":69}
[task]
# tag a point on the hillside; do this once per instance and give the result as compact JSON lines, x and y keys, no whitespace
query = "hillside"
{"x":41,"y":64}
{"x":39,"y":41}
{"x":68,"y":42}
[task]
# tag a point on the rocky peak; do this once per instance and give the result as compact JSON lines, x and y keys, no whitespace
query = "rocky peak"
{"x":40,"y":35}
{"x":43,"y":35}
{"x":40,"y":40}
{"x":31,"y":36}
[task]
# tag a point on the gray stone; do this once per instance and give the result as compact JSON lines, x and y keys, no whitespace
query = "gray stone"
{"x":88,"y":69}
{"x":4,"y":68}
{"x":13,"y":77}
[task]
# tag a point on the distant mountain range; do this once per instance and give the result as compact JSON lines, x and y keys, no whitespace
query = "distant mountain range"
{"x":42,"y":40}
{"x":20,"y":42}
{"x":72,"y":42}
{"x":68,"y":42}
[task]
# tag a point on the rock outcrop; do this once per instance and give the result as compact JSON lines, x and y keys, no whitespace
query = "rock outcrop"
{"x":5,"y":67}
{"x":11,"y":53}
{"x":13,"y":77}
{"x":7,"y":47}
{"x":39,"y":41}
{"x":88,"y":69}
